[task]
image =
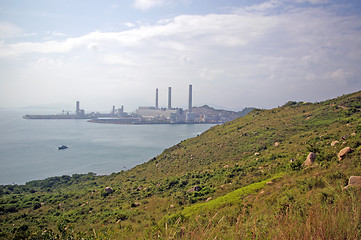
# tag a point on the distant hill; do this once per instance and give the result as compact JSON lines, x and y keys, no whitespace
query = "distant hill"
{"x":245,"y":179}
{"x":220,"y":115}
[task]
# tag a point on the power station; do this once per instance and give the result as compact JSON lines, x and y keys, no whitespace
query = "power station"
{"x":153,"y":114}
{"x":150,"y":115}
{"x":156,"y":98}
{"x":142,"y":115}
{"x":169,"y":114}
{"x":190,"y":115}
{"x":169,"y":98}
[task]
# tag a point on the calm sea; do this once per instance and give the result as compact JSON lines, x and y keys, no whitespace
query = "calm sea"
{"x":29,"y":148}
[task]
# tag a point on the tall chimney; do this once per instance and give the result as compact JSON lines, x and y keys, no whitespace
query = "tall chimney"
{"x":190,"y":99}
{"x":169,"y":98}
{"x":77,"y":109}
{"x":156,"y":98}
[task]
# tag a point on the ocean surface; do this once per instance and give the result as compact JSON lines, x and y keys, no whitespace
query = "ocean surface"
{"x":29,"y":148}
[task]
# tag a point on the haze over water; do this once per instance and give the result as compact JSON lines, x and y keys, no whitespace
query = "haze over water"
{"x":28,"y":148}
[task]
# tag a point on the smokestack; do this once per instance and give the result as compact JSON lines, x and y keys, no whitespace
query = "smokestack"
{"x":77,"y":109}
{"x":169,"y":98}
{"x":190,"y":99}
{"x":156,"y":98}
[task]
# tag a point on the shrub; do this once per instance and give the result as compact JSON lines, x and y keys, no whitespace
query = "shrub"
{"x":36,"y":206}
{"x":296,"y":165}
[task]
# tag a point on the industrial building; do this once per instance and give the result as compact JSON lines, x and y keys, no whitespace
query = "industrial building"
{"x":172,"y":115}
{"x":190,"y":116}
{"x":79,"y":113}
{"x":152,"y":114}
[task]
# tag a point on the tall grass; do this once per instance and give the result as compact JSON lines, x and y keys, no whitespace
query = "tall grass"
{"x":340,"y":219}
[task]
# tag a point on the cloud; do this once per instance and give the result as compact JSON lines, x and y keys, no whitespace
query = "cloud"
{"x":299,"y":53}
{"x":340,"y":75}
{"x":129,"y":24}
{"x":58,"y":34}
{"x":16,"y":49}
{"x":313,"y":1}
{"x":9,"y":30}
{"x":210,"y":30}
{"x":307,"y":34}
{"x":265,"y":6}
{"x":116,"y":59}
{"x":274,"y":7}
{"x":93,"y":47}
{"x":147,"y":4}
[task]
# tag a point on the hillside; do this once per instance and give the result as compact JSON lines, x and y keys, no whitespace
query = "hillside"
{"x":219,"y":115}
{"x":244,"y":179}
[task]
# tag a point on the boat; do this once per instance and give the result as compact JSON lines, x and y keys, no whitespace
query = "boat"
{"x":62,"y":147}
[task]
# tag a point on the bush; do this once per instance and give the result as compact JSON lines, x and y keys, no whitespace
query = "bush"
{"x":104,"y":194}
{"x":9,"y":209}
{"x":296,"y":165}
{"x":36,"y":206}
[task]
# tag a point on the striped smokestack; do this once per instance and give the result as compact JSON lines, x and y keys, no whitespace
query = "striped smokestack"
{"x":190,"y":99}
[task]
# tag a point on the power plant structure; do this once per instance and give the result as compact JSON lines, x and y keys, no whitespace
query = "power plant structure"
{"x":79,"y":113}
{"x":169,"y":98}
{"x":169,"y":114}
{"x":190,"y":99}
{"x":152,"y":115}
{"x":156,"y":98}
{"x":142,"y":114}
{"x":190,"y":115}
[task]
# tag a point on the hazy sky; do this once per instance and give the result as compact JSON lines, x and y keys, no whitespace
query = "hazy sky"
{"x":235,"y":53}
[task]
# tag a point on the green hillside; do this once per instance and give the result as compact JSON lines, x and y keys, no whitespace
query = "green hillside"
{"x":241,"y":180}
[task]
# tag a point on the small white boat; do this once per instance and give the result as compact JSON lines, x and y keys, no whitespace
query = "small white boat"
{"x":62,"y":147}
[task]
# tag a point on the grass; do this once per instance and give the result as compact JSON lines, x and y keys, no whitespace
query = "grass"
{"x":228,"y":199}
{"x":321,"y":212}
{"x":253,"y":189}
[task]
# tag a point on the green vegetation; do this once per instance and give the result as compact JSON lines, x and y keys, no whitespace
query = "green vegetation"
{"x":241,"y":180}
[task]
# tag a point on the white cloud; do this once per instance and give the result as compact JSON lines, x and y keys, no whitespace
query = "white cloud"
{"x":17,"y":49}
{"x":185,"y":60}
{"x":147,"y":4}
{"x":183,"y":31}
{"x":212,"y":74}
{"x":264,"y":6}
{"x":313,"y":1}
{"x":59,"y":34}
{"x":129,"y":24}
{"x":340,"y":74}
{"x":116,"y":59}
{"x":277,"y":57}
{"x":47,"y":62}
{"x":93,"y":47}
{"x":9,"y":30}
{"x":30,"y":34}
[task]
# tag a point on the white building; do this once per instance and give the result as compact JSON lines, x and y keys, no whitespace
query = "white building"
{"x":161,"y":114}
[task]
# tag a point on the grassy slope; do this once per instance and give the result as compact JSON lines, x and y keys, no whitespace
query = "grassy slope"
{"x":249,"y":188}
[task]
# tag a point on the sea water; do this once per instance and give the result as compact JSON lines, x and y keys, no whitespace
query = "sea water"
{"x":29,"y":148}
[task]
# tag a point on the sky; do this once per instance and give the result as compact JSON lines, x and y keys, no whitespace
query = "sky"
{"x":235,"y":53}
